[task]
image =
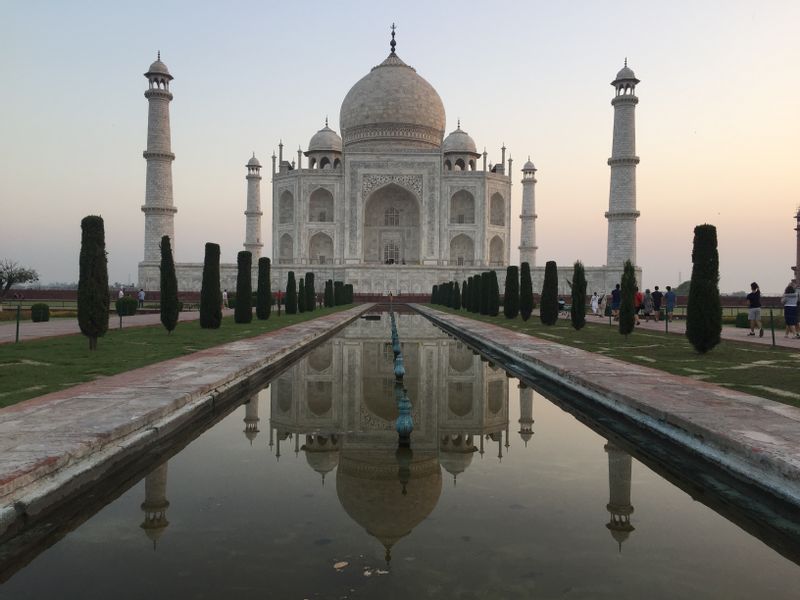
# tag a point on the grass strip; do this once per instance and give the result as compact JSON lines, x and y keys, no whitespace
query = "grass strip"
{"x":37,"y":367}
{"x":760,"y":370}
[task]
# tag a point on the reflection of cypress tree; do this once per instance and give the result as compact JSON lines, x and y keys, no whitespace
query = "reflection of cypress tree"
{"x":311,"y":294}
{"x":301,"y":296}
{"x":548,"y":307}
{"x":291,"y":294}
{"x":93,"y":298}
{"x":243,"y":311}
{"x":511,"y":293}
{"x":264,"y":293}
{"x":525,"y":292}
{"x":703,"y":309}
{"x":627,"y":318}
{"x":169,"y":287}
{"x":210,"y":292}
{"x":578,"y":310}
{"x":456,"y":296}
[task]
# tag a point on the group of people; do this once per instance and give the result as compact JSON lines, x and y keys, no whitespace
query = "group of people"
{"x":645,"y":304}
{"x":790,"y":300}
{"x":139,"y":295}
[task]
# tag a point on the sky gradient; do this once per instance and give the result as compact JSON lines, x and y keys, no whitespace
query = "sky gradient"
{"x":717,"y":121}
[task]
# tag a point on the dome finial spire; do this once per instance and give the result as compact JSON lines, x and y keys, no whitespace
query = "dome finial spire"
{"x":158,"y":55}
{"x":326,"y":120}
{"x":392,"y":44}
{"x":626,"y":61}
{"x":459,"y":123}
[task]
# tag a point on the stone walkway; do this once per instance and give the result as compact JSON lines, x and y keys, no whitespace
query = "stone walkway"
{"x":28,"y":330}
{"x":756,"y":439}
{"x":49,"y":441}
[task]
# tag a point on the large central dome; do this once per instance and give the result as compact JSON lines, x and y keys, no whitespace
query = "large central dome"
{"x":392,"y":106}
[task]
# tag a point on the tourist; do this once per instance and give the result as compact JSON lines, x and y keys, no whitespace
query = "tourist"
{"x":657,"y":297}
{"x":638,"y":299}
{"x":789,"y":302}
{"x":225,"y":298}
{"x":669,"y":303}
{"x":141,"y":297}
{"x":754,"y":310}
{"x":562,"y":305}
{"x":648,"y":305}
{"x":121,"y":293}
{"x":595,"y":304}
{"x":616,"y":296}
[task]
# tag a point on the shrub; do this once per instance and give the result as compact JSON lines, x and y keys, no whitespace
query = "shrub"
{"x":126,"y":306}
{"x":456,"y":296}
{"x":703,"y":308}
{"x":627,"y":317}
{"x":742,"y":321}
{"x":494,"y":294}
{"x":525,"y":292}
{"x":477,"y":293}
{"x":511,"y":293}
{"x":348,"y":293}
{"x":548,"y":304}
{"x":210,"y":292}
{"x":485,"y":291}
{"x":264,"y":293}
{"x":434,"y":294}
{"x":578,"y":310}
{"x":311,"y":294}
{"x":243,"y":311}
{"x":93,"y":298}
{"x":40,"y":312}
{"x":291,"y":295}
{"x":301,"y":295}
{"x":338,"y":293}
{"x":329,"y":293}
{"x":169,"y":287}
{"x":464,"y":294}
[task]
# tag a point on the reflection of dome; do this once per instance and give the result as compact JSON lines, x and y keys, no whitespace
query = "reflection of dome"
{"x":392,"y":103}
{"x":325,"y":140}
{"x":370,"y":491}
{"x":459,"y":141}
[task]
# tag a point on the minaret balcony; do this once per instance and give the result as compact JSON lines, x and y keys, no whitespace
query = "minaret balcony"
{"x":158,"y":155}
{"x":623,"y":160}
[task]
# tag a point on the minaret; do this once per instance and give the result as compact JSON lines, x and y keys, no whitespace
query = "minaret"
{"x":252,"y":236}
{"x":525,"y":413}
{"x":622,"y":213}
{"x":155,"y":503}
{"x":619,"y":493}
{"x":251,"y":418}
{"x":159,"y":213}
{"x":527,"y":232}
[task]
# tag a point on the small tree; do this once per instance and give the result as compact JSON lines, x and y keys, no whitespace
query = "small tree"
{"x":627,"y":316}
{"x":169,"y":287}
{"x":348,"y":293}
{"x":578,"y":310}
{"x":548,"y":306}
{"x":291,"y":295}
{"x":93,"y":298}
{"x":494,"y":294}
{"x":311,"y":294}
{"x":477,"y":293}
{"x":464,"y":294}
{"x":703,"y":308}
{"x":338,"y":293}
{"x":301,"y":295}
{"x":434,"y":292}
{"x":329,"y":292}
{"x":511,"y":293}
{"x":243,"y":309}
{"x":210,"y":291}
{"x":12,"y":274}
{"x":264,"y":293}
{"x":486,"y":290}
{"x":525,"y":292}
{"x":456,"y":296}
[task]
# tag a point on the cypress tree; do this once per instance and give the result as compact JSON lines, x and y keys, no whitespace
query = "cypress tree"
{"x":578,"y":310}
{"x":264,"y":294}
{"x":448,"y":291}
{"x":486,"y":290}
{"x":301,"y":295}
{"x":291,"y":295}
{"x":338,"y":293}
{"x":93,"y":297}
{"x":511,"y":293}
{"x":348,"y":293}
{"x":311,"y":293}
{"x":434,"y":292}
{"x":494,"y":294}
{"x":456,"y":296}
{"x":464,"y":294}
{"x":243,"y":310}
{"x":169,"y":287}
{"x":477,"y":293}
{"x":627,"y":318}
{"x":525,"y":292}
{"x":329,"y":293}
{"x":210,"y":292}
{"x":703,"y":308}
{"x":548,"y":308}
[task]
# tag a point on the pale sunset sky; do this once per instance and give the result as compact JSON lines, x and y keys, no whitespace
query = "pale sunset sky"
{"x":718,"y":120}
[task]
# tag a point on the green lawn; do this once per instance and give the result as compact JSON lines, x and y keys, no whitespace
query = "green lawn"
{"x":764,"y":371}
{"x":37,"y":367}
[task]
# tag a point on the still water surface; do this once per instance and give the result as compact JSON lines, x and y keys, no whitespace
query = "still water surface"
{"x":299,"y":493}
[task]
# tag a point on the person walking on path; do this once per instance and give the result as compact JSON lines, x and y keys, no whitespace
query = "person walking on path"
{"x":789,"y":302}
{"x":616,"y":296}
{"x":669,"y":303}
{"x":657,"y":297}
{"x":754,"y":310}
{"x":638,"y":299}
{"x":648,"y":305}
{"x":121,"y":293}
{"x":225,"y":298}
{"x":595,"y":304}
{"x":141,"y":298}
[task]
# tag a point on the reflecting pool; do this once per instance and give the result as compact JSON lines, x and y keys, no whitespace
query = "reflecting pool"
{"x":301,"y":492}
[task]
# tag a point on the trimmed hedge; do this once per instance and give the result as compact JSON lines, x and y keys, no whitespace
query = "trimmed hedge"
{"x":126,"y":306}
{"x":548,"y":306}
{"x":210,"y":289}
{"x":703,"y":308}
{"x":243,"y":310}
{"x":40,"y":312}
{"x":169,"y":307}
{"x":93,"y":298}
{"x":525,"y":292}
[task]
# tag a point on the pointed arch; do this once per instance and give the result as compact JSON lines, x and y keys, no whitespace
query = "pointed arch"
{"x":496,"y":250}
{"x":320,"y":205}
{"x":462,"y":250}
{"x":497,"y":210}
{"x":462,"y":208}
{"x":320,"y":248}
{"x":286,"y":249}
{"x":286,"y":207}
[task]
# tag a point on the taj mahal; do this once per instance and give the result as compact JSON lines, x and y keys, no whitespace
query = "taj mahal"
{"x":392,"y":204}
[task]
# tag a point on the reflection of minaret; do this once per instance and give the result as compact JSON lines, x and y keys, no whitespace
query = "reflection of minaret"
{"x":251,"y":418}
{"x":455,"y":453}
{"x":619,"y":491}
{"x":155,"y":504}
{"x":322,"y":453}
{"x":525,"y":413}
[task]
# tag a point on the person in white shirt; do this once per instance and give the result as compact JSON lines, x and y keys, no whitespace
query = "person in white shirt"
{"x":595,"y":304}
{"x":789,"y":302}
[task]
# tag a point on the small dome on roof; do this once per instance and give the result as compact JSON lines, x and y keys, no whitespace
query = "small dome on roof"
{"x":325,"y":140}
{"x":253,"y":162}
{"x":625,"y":74}
{"x":459,"y":141}
{"x":528,"y":166}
